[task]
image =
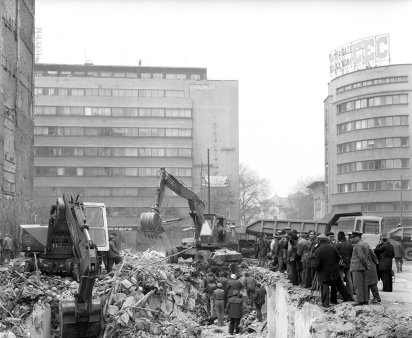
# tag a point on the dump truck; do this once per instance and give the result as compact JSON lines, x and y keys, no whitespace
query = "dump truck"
{"x":370,"y":226}
{"x":72,"y":244}
{"x":404,"y":236}
{"x":214,"y":236}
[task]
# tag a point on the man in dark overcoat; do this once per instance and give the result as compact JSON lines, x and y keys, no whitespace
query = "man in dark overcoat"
{"x":385,"y":253}
{"x":326,"y":265}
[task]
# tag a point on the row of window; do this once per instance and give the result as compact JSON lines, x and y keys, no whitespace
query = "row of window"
{"x":108,"y":171}
{"x":373,"y":185}
{"x":383,"y":80}
{"x":375,"y":206}
{"x":112,"y":152}
{"x":108,"y":92}
{"x":372,"y":102}
{"x":110,"y":192}
{"x":167,"y":76}
{"x":113,"y":111}
{"x":107,"y":131}
{"x":373,"y":165}
{"x":389,"y":142}
{"x":384,"y":121}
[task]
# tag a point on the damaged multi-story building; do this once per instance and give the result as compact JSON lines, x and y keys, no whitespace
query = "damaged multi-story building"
{"x":16,"y":113}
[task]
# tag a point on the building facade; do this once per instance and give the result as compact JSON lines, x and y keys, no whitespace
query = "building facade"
{"x":367,"y":143}
{"x":319,"y":199}
{"x":104,"y":132}
{"x":16,"y":114}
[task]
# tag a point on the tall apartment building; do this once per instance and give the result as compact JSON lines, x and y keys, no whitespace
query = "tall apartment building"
{"x":367,"y":143}
{"x":16,"y":113}
{"x":104,"y":132}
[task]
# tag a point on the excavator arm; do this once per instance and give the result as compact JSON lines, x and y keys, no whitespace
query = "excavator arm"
{"x":151,"y":222}
{"x":80,"y":317}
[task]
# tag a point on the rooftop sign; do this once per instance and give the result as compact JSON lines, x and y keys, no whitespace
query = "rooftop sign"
{"x":360,"y":54}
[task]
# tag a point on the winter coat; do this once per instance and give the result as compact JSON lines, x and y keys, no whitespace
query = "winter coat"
{"x":372,"y":273}
{"x":360,"y":257}
{"x":385,"y":253}
{"x":326,"y":262}
{"x":219,"y":294}
{"x":223,"y":281}
{"x":233,"y":284}
{"x":234,"y":307}
{"x":345,"y":250}
{"x":302,"y":248}
{"x":7,"y":243}
{"x":263,"y":248}
{"x":274,"y":247}
{"x":250,"y":283}
{"x":397,"y":248}
{"x":113,"y":252}
{"x":259,"y":297}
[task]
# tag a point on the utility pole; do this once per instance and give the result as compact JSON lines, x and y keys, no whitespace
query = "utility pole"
{"x":400,"y":207}
{"x":208,"y":182}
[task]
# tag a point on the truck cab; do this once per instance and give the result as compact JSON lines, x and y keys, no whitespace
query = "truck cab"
{"x":371,"y":227}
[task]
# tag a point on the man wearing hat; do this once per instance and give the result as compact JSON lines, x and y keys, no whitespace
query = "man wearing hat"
{"x":219,"y":300}
{"x":113,"y":256}
{"x":385,"y":253}
{"x":233,"y":284}
{"x":234,"y":309}
{"x":359,"y":266}
{"x":326,"y":264}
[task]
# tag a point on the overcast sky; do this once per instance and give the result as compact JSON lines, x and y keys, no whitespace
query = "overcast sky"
{"x":277,"y":50}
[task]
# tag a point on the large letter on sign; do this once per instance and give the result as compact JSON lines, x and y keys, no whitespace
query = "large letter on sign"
{"x":382,"y":48}
{"x":369,"y":49}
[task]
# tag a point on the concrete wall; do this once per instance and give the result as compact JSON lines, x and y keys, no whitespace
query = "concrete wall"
{"x":286,"y":316}
{"x":16,"y":113}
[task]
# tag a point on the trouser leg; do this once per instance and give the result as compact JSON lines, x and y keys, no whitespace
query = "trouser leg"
{"x":231,"y":325}
{"x":387,"y":280}
{"x":295,"y":279}
{"x":375,"y":292}
{"x":397,"y":265}
{"x":325,"y":294}
{"x":219,"y":309}
{"x":359,"y":281}
{"x":259,"y":313}
{"x":212,"y":307}
{"x":110,"y":262}
{"x":349,"y":283}
{"x":342,"y":290}
{"x":333,"y":293}
{"x":236,"y":325}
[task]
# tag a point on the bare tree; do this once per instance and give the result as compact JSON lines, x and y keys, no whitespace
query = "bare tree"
{"x":254,"y":190}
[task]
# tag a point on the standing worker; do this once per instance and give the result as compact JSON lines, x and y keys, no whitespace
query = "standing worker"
{"x":345,"y":250}
{"x":373,"y":278}
{"x":327,"y":260}
{"x":250,"y":285}
{"x":262,"y":251}
{"x":233,"y":284}
{"x":259,"y":299}
{"x":234,"y":309}
{"x":359,"y":265}
{"x":219,"y":300}
{"x":113,"y":256}
{"x":397,"y":248}
{"x":385,"y":253}
{"x":7,"y":248}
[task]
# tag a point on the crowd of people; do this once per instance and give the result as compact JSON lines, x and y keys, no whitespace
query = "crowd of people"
{"x":231,"y":292}
{"x":346,"y":265}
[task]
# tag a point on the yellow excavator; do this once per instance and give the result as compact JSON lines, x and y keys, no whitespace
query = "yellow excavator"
{"x":214,"y":237}
{"x":65,"y":247}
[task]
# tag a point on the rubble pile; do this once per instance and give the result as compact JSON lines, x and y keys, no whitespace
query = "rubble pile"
{"x":142,"y":297}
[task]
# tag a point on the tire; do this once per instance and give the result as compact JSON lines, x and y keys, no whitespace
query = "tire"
{"x":202,"y":256}
{"x":408,"y":254}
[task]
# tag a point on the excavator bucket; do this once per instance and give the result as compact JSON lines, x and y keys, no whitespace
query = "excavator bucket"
{"x":151,"y":224}
{"x":80,"y":323}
